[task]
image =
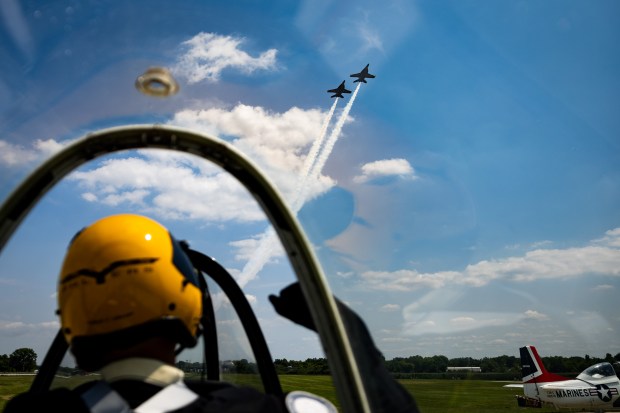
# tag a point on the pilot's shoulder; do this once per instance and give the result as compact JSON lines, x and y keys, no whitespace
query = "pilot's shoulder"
{"x":57,"y":400}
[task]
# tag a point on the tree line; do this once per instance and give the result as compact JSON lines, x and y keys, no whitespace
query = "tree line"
{"x":406,"y":366}
{"x":499,"y":364}
{"x":21,"y":360}
{"x":25,"y":360}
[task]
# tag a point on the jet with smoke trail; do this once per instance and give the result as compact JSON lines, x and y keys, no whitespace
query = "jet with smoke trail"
{"x":327,"y":150}
{"x":361,"y":76}
{"x":313,"y":167}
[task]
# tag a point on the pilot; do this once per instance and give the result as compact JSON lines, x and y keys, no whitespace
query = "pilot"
{"x":129,"y":301}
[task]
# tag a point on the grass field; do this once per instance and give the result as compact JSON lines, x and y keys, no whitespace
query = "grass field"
{"x":432,"y":396}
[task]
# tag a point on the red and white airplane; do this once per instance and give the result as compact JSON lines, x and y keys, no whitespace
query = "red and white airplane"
{"x":597,"y":388}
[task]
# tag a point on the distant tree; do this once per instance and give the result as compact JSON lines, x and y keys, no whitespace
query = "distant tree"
{"x":243,"y":366}
{"x":4,"y":362}
{"x":23,"y":359}
{"x":400,"y":365}
{"x":316,"y":366}
{"x":489,"y":365}
{"x":438,"y":364}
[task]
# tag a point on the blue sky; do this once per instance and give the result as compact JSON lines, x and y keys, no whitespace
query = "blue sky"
{"x":470,"y":203}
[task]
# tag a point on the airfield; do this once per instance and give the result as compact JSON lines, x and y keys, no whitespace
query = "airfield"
{"x":432,"y":396}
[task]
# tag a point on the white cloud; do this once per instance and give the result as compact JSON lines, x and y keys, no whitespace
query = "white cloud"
{"x":442,"y":322}
{"x":390,"y":307}
{"x":168,"y":183}
{"x":603,"y":287}
{"x":49,"y":147}
{"x":535,"y":315}
{"x":370,"y":38}
{"x":385,"y":167}
{"x":17,"y":328}
{"x":206,"y":55}
{"x":12,"y":155}
{"x":168,"y":187}
{"x":603,"y":257}
{"x":462,"y":321}
{"x":395,"y":340}
{"x":611,"y":238}
{"x":277,"y":142}
{"x":540,"y":244}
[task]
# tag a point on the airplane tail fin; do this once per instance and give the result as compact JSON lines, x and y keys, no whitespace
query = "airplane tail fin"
{"x":533,"y":369}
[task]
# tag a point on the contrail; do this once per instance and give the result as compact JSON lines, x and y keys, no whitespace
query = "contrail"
{"x":313,"y":166}
{"x":327,"y":150}
{"x":314,"y":150}
{"x":268,"y":240}
{"x":266,"y":245}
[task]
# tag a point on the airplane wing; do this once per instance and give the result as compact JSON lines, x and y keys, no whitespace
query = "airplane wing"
{"x":514,"y":386}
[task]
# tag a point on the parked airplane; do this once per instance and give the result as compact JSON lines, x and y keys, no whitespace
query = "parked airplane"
{"x":596,"y":388}
{"x":361,"y":76}
{"x":337,"y":93}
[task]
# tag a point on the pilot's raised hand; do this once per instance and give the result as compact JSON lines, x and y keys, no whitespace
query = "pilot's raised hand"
{"x":291,"y":304}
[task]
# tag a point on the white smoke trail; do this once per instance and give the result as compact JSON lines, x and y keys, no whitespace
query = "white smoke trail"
{"x":312,"y":168}
{"x":327,"y":150}
{"x":268,"y":241}
{"x":314,"y":150}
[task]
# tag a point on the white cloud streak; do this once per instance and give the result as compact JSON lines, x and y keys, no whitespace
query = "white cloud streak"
{"x":17,"y":156}
{"x":172,"y":187}
{"x":18,"y":328}
{"x":390,"y":307}
{"x":206,"y":55}
{"x":442,"y":322}
{"x":535,"y":315}
{"x":384,"y":168}
{"x":602,"y":257}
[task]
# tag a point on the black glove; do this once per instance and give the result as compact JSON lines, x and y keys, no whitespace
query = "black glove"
{"x":291,"y":304}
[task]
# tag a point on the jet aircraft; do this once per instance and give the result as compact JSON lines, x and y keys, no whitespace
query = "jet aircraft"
{"x":337,"y":93}
{"x":597,"y":388}
{"x":361,"y":76}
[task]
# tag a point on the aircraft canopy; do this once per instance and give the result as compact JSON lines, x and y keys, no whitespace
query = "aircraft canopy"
{"x":597,"y":372}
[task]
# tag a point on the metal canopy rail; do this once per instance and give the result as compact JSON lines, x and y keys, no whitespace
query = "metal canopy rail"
{"x":334,"y":339}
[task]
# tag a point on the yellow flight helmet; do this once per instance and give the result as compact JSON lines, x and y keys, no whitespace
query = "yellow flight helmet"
{"x":124,"y":279}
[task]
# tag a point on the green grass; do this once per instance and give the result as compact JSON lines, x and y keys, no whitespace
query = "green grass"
{"x":472,"y":396}
{"x":12,"y":385}
{"x":432,"y":396}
